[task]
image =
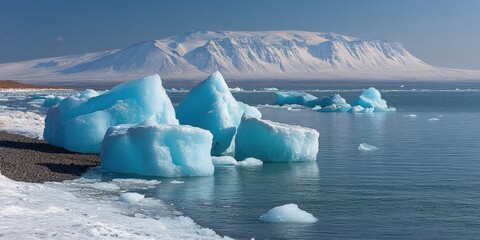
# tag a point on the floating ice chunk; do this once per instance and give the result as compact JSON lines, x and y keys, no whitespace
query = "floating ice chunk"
{"x":210,"y":105}
{"x":291,"y":97}
{"x":224,"y":160}
{"x":410,"y":115}
{"x":335,"y":101}
{"x":366,"y":147}
{"x":250,"y":162}
{"x":157,"y":150}
{"x":105,"y":186}
{"x":433,"y":119}
{"x":360,"y":109}
{"x":51,"y":100}
{"x":270,"y":89}
{"x":236,"y":89}
{"x":288,"y":213}
{"x":206,"y":232}
{"x":131,"y":197}
{"x":176,"y":182}
{"x":275,"y":142}
{"x":79,"y":122}
{"x":371,"y":98}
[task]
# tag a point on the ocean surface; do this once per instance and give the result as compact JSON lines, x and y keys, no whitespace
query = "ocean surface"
{"x":423,"y":181}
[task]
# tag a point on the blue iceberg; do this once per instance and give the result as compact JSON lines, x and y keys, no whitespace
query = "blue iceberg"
{"x":210,"y":105}
{"x":334,"y":103}
{"x":275,"y":142}
{"x":79,"y":122}
{"x":157,"y":150}
{"x":371,"y":98}
{"x":288,"y":213}
{"x":52,"y":100}
{"x":291,"y":97}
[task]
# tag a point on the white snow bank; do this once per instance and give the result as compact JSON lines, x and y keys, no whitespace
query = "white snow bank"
{"x":131,"y":197}
{"x":157,"y":150}
{"x":366,"y":147}
{"x":275,"y":142}
{"x":288,"y":213}
{"x":250,"y":162}
{"x":71,"y":210}
{"x":25,"y":123}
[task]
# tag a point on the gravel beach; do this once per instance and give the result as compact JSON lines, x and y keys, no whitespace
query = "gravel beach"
{"x":31,"y":160}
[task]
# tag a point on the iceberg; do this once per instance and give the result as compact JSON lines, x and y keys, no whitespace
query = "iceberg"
{"x":210,"y":105}
{"x":157,"y":150}
{"x":334,"y":100}
{"x":288,"y":213}
{"x":275,"y":142}
{"x":291,"y":97}
{"x":371,"y":98}
{"x":79,"y":122}
{"x":360,"y":109}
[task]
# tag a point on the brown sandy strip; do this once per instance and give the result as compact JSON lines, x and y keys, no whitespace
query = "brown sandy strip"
{"x":30,"y":160}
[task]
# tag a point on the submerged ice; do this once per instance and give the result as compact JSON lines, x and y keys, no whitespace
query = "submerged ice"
{"x":157,"y":150}
{"x":275,"y":142}
{"x":210,"y":105}
{"x":79,"y":122}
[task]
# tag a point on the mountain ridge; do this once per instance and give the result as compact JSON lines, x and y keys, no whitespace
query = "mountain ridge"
{"x":252,"y":54}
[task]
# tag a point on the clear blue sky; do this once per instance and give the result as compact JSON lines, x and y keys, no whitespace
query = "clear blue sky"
{"x":441,"y":32}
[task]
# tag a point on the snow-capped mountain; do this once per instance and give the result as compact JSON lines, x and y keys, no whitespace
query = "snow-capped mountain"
{"x":270,"y":54}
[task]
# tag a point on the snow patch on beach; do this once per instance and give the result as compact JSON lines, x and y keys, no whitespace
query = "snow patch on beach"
{"x":29,"y":124}
{"x":72,"y":210}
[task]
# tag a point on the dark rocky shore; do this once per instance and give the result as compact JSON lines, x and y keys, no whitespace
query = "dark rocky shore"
{"x":30,"y":160}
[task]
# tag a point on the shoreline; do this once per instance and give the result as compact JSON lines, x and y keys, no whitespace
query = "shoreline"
{"x":31,"y":160}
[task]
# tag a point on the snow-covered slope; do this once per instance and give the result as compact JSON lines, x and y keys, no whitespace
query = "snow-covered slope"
{"x":240,"y":55}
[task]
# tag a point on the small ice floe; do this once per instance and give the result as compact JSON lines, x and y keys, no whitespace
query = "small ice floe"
{"x":433,"y":119}
{"x":288,"y":213}
{"x":206,"y":232}
{"x":131,"y":197}
{"x":250,"y":162}
{"x":410,"y":115}
{"x":402,"y":86}
{"x":105,"y":186}
{"x":224,"y":160}
{"x":366,"y":147}
{"x":176,"y":182}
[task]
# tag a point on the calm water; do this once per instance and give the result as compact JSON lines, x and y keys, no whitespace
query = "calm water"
{"x":422,"y":183}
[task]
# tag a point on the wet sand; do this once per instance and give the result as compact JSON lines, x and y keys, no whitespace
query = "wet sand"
{"x":31,"y":160}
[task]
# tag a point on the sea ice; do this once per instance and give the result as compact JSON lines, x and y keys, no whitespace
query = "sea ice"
{"x":433,"y":119}
{"x":410,"y":115}
{"x":275,"y":142}
{"x":371,"y":98}
{"x":157,"y":150}
{"x":79,"y":122}
{"x":176,"y":182}
{"x":210,"y":105}
{"x":250,"y":162}
{"x":360,"y":109}
{"x":335,"y":101}
{"x":131,"y":197}
{"x":29,"y":124}
{"x":224,"y":160}
{"x":366,"y":147}
{"x":291,"y":97}
{"x":288,"y":213}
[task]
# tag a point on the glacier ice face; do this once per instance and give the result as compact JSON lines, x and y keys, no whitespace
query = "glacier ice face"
{"x":371,"y":98}
{"x":288,"y":213}
{"x":79,"y":122}
{"x":210,"y":105}
{"x":157,"y":150}
{"x":291,"y":97}
{"x":275,"y":142}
